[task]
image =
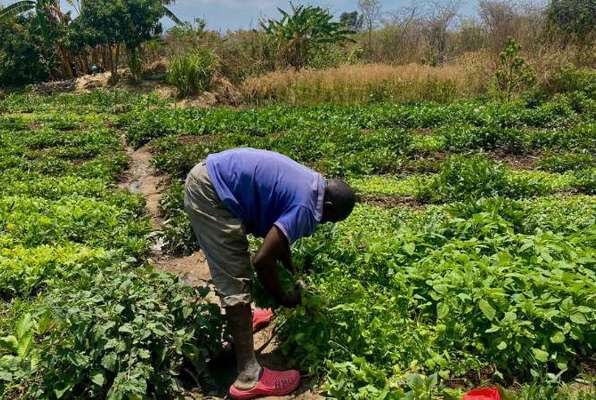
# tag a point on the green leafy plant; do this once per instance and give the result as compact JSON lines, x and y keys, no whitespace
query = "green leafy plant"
{"x":465,"y":178}
{"x":513,"y":73}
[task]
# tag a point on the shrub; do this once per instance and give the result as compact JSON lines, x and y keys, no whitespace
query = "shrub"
{"x":513,"y":74}
{"x":567,"y":162}
{"x":465,"y":177}
{"x":177,"y":234}
{"x":192,"y":72}
{"x":571,"y":79}
{"x":21,"y":59}
{"x":124,"y":335}
{"x":586,"y":180}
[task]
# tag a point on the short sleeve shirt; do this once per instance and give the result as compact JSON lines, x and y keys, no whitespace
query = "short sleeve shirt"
{"x":265,"y":189}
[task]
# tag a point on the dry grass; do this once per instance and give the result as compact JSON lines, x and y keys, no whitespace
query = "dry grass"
{"x":351,"y":84}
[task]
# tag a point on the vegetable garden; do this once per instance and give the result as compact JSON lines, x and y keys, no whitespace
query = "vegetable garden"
{"x":469,"y":259}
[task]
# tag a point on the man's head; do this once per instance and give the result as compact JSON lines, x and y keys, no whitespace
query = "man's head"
{"x":339,"y":201}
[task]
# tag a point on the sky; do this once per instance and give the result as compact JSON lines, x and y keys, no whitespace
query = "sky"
{"x":234,"y":14}
{"x":222,"y":15}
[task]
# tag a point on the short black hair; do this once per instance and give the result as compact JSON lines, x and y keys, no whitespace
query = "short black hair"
{"x":339,"y":200}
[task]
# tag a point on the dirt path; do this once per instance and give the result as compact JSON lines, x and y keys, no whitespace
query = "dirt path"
{"x":142,"y":178}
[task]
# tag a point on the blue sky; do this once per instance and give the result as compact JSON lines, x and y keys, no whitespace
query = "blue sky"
{"x":233,"y":14}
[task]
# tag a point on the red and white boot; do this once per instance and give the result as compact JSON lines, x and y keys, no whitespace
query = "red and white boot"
{"x":272,"y":383}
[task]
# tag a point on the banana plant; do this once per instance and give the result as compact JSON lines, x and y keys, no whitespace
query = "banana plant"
{"x":301,"y":31}
{"x":23,"y":6}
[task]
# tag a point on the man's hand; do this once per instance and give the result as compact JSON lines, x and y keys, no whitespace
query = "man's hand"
{"x":275,"y":247}
{"x":292,"y":299}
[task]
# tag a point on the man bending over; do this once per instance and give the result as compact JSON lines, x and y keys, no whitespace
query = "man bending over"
{"x":269,"y":195}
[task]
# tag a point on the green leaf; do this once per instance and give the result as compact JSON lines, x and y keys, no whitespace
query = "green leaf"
{"x":410,"y":248}
{"x":578,"y":318}
{"x":9,"y":343}
{"x":488,"y":311}
{"x":98,"y":378}
{"x":502,"y":346}
{"x":540,"y":355}
{"x":24,"y":326}
{"x":126,"y":328}
{"x":442,"y":310}
{"x":60,"y":392}
{"x":558,"y":337}
{"x":25,"y":345}
{"x":109,"y":361}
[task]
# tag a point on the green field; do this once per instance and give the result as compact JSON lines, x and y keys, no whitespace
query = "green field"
{"x":470,"y":258}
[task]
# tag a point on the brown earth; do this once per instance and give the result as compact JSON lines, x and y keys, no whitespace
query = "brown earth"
{"x":222,"y":91}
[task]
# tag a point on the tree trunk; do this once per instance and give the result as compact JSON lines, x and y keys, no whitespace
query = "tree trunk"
{"x":113,"y":64}
{"x":105,"y":58}
{"x":65,"y":59}
{"x":117,"y":57}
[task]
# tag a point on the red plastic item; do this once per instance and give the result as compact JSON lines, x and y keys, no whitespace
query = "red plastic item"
{"x":261,"y":317}
{"x":483,"y":394}
{"x":272,"y":383}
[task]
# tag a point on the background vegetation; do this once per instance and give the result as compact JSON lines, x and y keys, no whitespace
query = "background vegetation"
{"x":427,"y":49}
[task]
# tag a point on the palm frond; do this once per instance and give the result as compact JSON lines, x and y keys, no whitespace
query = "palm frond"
{"x":16,"y":9}
{"x":168,"y":13}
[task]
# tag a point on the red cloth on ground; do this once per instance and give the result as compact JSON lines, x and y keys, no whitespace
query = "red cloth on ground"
{"x":483,"y":394}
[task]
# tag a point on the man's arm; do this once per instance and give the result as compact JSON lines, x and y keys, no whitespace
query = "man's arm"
{"x":275,"y":247}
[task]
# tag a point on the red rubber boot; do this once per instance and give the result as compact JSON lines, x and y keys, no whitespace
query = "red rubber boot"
{"x":261,"y":318}
{"x":272,"y":383}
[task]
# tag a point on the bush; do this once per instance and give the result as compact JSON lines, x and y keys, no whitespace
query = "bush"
{"x":513,"y":74}
{"x":177,"y":234}
{"x":567,"y":162}
{"x":123,"y":335}
{"x":21,"y":60}
{"x":465,"y":177}
{"x":586,"y":181}
{"x":192,"y":72}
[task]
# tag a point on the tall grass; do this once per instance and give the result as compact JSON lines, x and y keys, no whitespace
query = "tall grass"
{"x":350,"y":84}
{"x":192,"y":72}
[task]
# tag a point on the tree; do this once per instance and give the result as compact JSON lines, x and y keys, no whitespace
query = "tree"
{"x":513,"y":73}
{"x":112,"y":23}
{"x":67,"y":41}
{"x":436,"y":29}
{"x":21,"y":60}
{"x":352,"y":20}
{"x":371,"y":12}
{"x":28,"y":5}
{"x":576,"y":19}
{"x":501,"y":19}
{"x":305,"y":30}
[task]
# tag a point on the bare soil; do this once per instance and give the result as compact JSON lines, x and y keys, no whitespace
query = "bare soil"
{"x":517,"y":162}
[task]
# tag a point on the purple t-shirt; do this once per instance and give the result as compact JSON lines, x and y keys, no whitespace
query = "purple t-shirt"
{"x":263,"y":188}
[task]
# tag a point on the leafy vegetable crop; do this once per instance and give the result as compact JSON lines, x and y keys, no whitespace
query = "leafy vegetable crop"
{"x":469,"y":260}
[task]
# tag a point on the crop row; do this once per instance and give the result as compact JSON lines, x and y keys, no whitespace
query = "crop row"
{"x":563,"y":111}
{"x":499,"y":284}
{"x":491,"y":280}
{"x":81,"y":315}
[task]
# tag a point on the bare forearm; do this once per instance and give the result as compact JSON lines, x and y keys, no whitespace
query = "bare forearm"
{"x":269,"y":277}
